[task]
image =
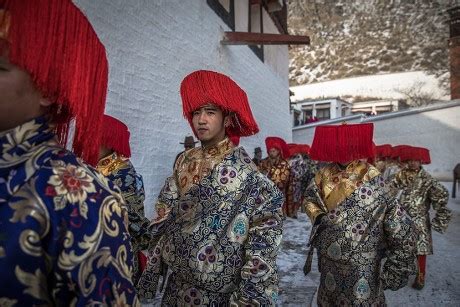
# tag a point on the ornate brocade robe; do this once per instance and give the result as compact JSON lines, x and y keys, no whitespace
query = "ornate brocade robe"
{"x":420,"y":193}
{"x":356,"y":226}
{"x":63,"y":240}
{"x":220,"y":224}
{"x":391,"y":168}
{"x":121,"y":172}
{"x":278,"y":172}
{"x":300,"y":177}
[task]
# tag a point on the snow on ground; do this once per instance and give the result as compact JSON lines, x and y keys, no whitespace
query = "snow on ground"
{"x":442,"y":286}
{"x":383,"y":86}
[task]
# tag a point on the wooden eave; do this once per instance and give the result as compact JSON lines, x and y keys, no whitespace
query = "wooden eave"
{"x":250,"y":38}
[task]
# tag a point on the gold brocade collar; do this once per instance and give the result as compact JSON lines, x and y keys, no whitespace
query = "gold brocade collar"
{"x":337,"y":182}
{"x":216,"y":150}
{"x":111,"y":163}
{"x":197,"y":163}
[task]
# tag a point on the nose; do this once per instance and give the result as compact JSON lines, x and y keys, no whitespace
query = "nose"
{"x":202,"y":118}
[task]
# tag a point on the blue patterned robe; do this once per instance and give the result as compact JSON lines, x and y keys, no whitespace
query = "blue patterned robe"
{"x":63,"y":240}
{"x":220,"y":234}
{"x":120,"y":171}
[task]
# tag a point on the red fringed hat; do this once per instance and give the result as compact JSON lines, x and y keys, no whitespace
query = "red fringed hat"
{"x":424,"y":155}
{"x":403,"y":152}
{"x":278,"y":143}
{"x":235,"y":140}
{"x":115,"y":135}
{"x":295,"y":149}
{"x":204,"y":87}
{"x":421,"y":154}
{"x":343,"y":143}
{"x":383,"y":151}
{"x":55,"y":43}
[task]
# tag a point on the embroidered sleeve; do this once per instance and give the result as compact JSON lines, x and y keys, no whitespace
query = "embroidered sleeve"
{"x":439,"y":197}
{"x":312,"y":201}
{"x":259,"y":276}
{"x":146,"y":233}
{"x":401,"y":249}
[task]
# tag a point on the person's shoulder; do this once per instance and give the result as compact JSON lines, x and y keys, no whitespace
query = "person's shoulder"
{"x":425,"y":175}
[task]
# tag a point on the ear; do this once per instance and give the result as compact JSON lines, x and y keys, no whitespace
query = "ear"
{"x":227,"y":121}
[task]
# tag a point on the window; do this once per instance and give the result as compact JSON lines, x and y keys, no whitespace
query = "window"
{"x":307,"y":114}
{"x":225,"y":9}
{"x":323,"y":114}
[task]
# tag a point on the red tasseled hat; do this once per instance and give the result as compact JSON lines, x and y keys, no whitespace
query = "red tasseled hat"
{"x":407,"y":153}
{"x":397,"y":150}
{"x":424,"y":155}
{"x":55,"y":43}
{"x":115,"y":136}
{"x":278,"y":143}
{"x":343,"y":143}
{"x":295,"y":149}
{"x":383,"y":151}
{"x":235,"y":140}
{"x":421,"y":154}
{"x":204,"y":87}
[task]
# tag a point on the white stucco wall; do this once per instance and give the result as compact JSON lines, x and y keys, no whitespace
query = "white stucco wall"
{"x":438,"y":130}
{"x":151,"y":46}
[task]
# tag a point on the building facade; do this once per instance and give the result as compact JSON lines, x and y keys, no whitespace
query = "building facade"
{"x":153,"y":45}
{"x":375,"y":107}
{"x":308,"y":111}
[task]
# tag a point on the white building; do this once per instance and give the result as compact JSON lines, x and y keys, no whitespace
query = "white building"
{"x":436,"y":127}
{"x":153,"y":45}
{"x":323,"y":109}
{"x":376,"y":106}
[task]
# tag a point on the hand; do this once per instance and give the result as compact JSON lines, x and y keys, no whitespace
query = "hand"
{"x":437,"y":228}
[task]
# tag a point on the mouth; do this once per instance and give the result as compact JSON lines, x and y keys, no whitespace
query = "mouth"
{"x":202,"y":130}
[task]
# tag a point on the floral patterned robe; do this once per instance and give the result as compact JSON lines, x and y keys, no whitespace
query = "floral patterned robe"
{"x":120,"y":171}
{"x":63,"y":240}
{"x":300,"y":176}
{"x":357,"y":226}
{"x":420,"y":193}
{"x":279,"y":172}
{"x":219,"y":225}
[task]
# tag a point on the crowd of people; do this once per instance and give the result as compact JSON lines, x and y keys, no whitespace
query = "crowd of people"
{"x":72,"y":224}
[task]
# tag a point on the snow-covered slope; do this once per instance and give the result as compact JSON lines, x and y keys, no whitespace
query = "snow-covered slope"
{"x":365,"y":37}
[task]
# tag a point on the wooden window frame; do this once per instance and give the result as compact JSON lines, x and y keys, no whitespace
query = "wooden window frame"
{"x":258,"y":50}
{"x":229,"y":18}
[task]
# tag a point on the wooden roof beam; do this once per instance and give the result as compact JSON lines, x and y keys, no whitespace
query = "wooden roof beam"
{"x":250,"y":38}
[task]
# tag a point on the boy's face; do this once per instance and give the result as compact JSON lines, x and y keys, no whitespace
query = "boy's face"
{"x":20,"y":101}
{"x":209,"y":124}
{"x":273,"y":153}
{"x":413,"y":164}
